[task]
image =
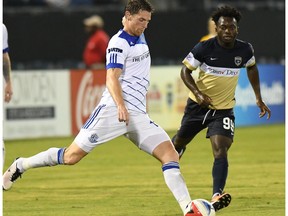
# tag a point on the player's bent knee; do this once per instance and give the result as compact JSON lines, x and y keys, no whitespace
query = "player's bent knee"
{"x":165,"y":152}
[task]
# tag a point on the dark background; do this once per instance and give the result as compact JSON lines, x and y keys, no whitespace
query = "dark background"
{"x":41,"y":37}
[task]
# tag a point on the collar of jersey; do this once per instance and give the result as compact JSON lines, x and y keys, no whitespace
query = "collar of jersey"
{"x":132,"y":40}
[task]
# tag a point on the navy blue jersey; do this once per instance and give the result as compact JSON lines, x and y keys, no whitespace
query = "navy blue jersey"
{"x":218,"y":69}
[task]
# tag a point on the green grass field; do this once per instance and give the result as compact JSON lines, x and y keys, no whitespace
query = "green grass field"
{"x":118,"y":179}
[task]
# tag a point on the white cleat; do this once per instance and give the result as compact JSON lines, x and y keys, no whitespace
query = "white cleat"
{"x":11,"y":175}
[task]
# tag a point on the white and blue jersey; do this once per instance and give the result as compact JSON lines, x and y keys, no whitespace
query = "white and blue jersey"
{"x":5,"y":39}
{"x":131,"y":54}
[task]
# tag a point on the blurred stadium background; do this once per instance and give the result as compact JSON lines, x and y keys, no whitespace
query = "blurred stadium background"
{"x":51,"y":85}
{"x":54,"y":94}
{"x":49,"y":33}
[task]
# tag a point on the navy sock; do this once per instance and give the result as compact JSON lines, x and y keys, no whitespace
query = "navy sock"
{"x":219,"y":173}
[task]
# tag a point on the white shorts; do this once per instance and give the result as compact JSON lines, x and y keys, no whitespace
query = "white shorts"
{"x":103,"y":125}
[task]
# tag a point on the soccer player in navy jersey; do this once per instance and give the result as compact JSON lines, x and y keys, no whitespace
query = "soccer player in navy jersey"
{"x":121,"y":111}
{"x":212,"y":94}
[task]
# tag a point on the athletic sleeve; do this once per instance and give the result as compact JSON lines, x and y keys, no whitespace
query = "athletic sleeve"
{"x":251,"y":61}
{"x":194,"y":57}
{"x":116,"y":53}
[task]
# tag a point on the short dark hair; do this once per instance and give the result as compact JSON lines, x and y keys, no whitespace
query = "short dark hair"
{"x":226,"y":11}
{"x":134,"y":6}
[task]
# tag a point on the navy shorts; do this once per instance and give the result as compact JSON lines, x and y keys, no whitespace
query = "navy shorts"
{"x":196,"y":118}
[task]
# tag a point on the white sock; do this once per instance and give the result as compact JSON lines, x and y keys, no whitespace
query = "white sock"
{"x":176,"y":183}
{"x":51,"y":157}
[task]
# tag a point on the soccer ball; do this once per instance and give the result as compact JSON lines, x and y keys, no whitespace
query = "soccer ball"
{"x":200,"y":207}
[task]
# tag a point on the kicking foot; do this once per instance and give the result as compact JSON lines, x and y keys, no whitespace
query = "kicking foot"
{"x":11,"y":175}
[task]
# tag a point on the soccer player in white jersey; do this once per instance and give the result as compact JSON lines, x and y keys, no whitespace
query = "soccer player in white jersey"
{"x":121,"y":111}
{"x":212,"y":94}
{"x":8,"y":91}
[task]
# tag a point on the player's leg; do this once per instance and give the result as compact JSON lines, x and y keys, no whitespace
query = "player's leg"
{"x":221,"y":133}
{"x":183,"y":137}
{"x":220,"y":146}
{"x":50,"y":157}
{"x":86,"y":140}
{"x":191,"y":125}
{"x":152,"y":139}
{"x":169,"y":159}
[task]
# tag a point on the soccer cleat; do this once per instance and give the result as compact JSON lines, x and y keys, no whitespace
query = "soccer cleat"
{"x":221,"y":201}
{"x":11,"y":175}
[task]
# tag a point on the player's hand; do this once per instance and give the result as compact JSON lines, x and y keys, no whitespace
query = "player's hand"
{"x":203,"y":100}
{"x":263,"y":109}
{"x":8,"y":92}
{"x":123,"y":114}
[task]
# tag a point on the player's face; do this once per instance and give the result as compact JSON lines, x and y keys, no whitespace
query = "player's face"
{"x":137,"y":23}
{"x":227,"y":31}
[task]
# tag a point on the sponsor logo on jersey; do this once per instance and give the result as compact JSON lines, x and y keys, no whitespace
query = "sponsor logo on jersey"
{"x":225,"y":72}
{"x":114,"y":49}
{"x":141,"y":57}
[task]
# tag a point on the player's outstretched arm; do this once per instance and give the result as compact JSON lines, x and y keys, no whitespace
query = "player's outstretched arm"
{"x":253,"y":76}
